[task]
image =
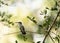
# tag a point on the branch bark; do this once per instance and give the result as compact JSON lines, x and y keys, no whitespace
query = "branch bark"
{"x":50,"y":28}
{"x":52,"y":39}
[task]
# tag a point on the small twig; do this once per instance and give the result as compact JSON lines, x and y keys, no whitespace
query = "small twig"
{"x":51,"y":39}
{"x":57,"y":39}
{"x":56,"y":34}
{"x":16,"y":33}
{"x":50,"y":28}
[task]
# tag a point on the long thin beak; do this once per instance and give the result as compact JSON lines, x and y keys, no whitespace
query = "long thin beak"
{"x":16,"y":22}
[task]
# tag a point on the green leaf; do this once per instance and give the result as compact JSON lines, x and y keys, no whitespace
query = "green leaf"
{"x":2,"y":15}
{"x":32,"y":19}
{"x":9,"y":16}
{"x":57,"y":39}
{"x":55,"y":8}
{"x":58,"y":36}
{"x":45,"y":11}
{"x":3,"y":20}
{"x":40,"y":25}
{"x":45,"y":16}
{"x":47,"y":8}
{"x":1,"y":2}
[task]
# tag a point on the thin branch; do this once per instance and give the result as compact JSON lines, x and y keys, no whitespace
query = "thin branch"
{"x":56,"y":34}
{"x":16,"y":33}
{"x":50,"y":28}
{"x":52,"y":39}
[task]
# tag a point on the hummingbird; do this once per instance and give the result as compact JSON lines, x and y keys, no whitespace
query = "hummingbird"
{"x":21,"y":27}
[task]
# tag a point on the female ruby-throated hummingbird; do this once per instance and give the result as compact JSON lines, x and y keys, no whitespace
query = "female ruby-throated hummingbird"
{"x":21,"y":27}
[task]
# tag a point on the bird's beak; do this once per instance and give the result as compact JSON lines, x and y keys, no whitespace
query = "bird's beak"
{"x":16,"y":22}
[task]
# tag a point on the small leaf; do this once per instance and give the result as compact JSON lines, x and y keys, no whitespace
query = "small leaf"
{"x":57,"y":39}
{"x":28,"y":17}
{"x":0,"y":13}
{"x":41,"y":13}
{"x":56,"y":3}
{"x":3,"y":20}
{"x":56,"y":28}
{"x":3,"y":3}
{"x":45,"y":16}
{"x":54,"y":9}
{"x":9,"y":22}
{"x":40,"y":25}
{"x":34,"y":21}
{"x":45,"y":11}
{"x":9,"y":16}
{"x":58,"y":36}
{"x":12,"y":23}
{"x":3,"y":14}
{"x":33,"y":18}
{"x":47,"y":8}
{"x":6,"y":4}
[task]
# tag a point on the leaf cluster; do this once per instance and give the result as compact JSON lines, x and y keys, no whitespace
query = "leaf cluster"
{"x":6,"y":18}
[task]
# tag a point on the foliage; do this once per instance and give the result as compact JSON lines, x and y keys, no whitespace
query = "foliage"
{"x":45,"y":28}
{"x":6,"y":18}
{"x":49,"y":22}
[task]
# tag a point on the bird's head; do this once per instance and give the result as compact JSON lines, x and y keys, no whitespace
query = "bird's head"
{"x":19,"y":22}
